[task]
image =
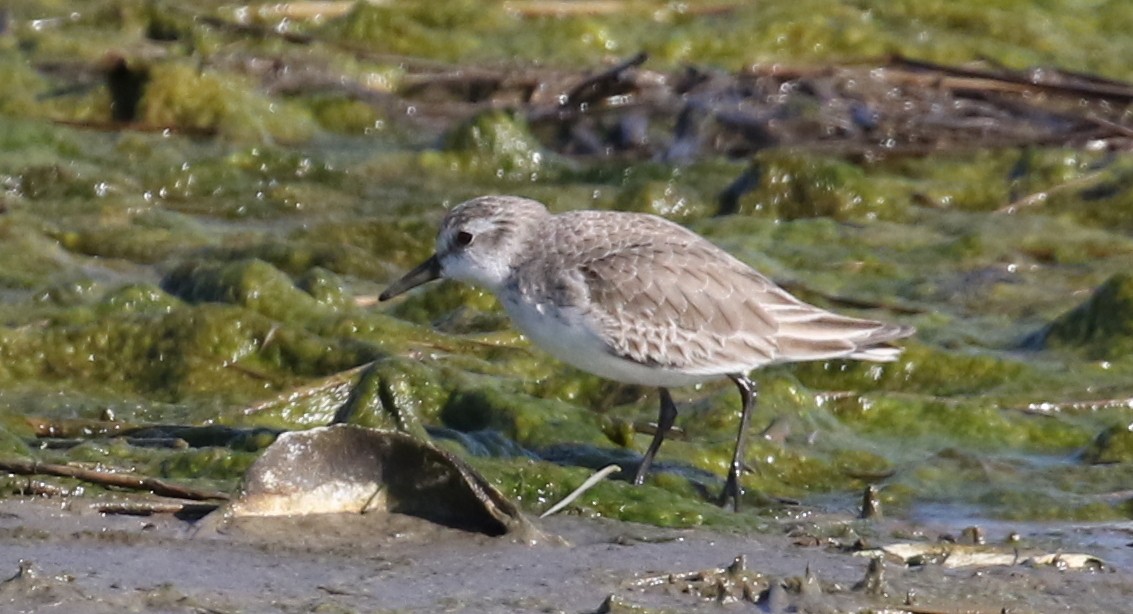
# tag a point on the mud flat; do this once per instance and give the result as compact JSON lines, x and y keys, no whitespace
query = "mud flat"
{"x":64,"y":557}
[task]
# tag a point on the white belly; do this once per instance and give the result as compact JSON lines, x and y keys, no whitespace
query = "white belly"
{"x":566,"y":335}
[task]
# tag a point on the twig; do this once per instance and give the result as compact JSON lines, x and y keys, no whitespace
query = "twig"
{"x":255,"y":30}
{"x":1115,"y":497}
{"x":175,"y":443}
{"x":76,"y":428}
{"x":1040,"y":197}
{"x":587,"y":485}
{"x":149,"y":508}
{"x":1109,"y":125}
{"x":250,"y":372}
{"x":113,"y":126}
{"x":106,"y":478}
{"x":606,"y":83}
{"x":557,"y":8}
{"x":1012,"y":82}
{"x":68,"y":433}
{"x":916,"y":609}
{"x":595,"y":8}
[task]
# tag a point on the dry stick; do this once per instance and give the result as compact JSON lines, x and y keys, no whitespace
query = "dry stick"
{"x":113,"y":126}
{"x":941,"y":77}
{"x":175,"y":443}
{"x":841,"y":148}
{"x":1093,"y":89}
{"x":413,"y":83}
{"x":106,"y":478}
{"x":1116,"y":496}
{"x":559,"y":8}
{"x":958,"y":79}
{"x":592,"y":8}
{"x":1040,"y":197}
{"x":146,"y":508}
{"x":76,"y":428}
{"x":596,"y":86}
{"x":1109,"y":125}
{"x":255,"y":30}
{"x":309,"y":10}
{"x":916,"y":609}
{"x":576,"y":493}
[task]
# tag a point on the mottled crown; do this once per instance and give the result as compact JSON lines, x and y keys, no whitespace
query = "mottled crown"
{"x":482,"y":240}
{"x":496,"y":221}
{"x":501,"y":211}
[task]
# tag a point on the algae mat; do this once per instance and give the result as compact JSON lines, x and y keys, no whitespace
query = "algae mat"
{"x":200,"y":205}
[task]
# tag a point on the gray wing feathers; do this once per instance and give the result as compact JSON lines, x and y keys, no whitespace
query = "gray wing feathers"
{"x":664,"y":296}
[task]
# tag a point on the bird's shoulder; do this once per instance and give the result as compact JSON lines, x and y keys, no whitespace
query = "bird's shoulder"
{"x":585,"y":237}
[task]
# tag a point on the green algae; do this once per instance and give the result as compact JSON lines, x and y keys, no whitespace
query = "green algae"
{"x":395,"y":394}
{"x":457,"y":308}
{"x":668,"y":199}
{"x":496,"y":143}
{"x":213,"y":465}
{"x":1078,"y":35}
{"x":205,"y":467}
{"x":146,"y":240}
{"x":327,"y":288}
{"x":1112,"y":445}
{"x":343,"y":115}
{"x":437,"y":29}
{"x":253,"y":284}
{"x":171,"y":354}
{"x":11,"y":444}
{"x":1102,"y":325}
{"x":830,"y":188}
{"x":532,"y":422}
{"x":21,"y":85}
{"x":182,"y":96}
{"x":162,"y":278}
{"x":921,"y":370}
{"x":539,"y":485}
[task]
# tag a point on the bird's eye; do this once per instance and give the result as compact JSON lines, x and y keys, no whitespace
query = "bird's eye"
{"x":463,"y":238}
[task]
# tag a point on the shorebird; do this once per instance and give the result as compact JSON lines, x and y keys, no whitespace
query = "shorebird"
{"x":638,"y":299}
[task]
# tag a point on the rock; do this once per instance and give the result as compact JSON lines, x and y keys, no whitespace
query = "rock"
{"x":350,"y":469}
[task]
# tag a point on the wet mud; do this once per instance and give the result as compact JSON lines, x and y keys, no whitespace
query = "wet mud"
{"x":61,"y":556}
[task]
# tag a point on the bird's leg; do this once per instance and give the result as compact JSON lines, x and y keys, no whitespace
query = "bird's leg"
{"x":732,"y":488}
{"x":664,"y":423}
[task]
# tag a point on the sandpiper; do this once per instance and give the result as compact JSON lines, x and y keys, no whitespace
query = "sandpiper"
{"x":639,"y":299}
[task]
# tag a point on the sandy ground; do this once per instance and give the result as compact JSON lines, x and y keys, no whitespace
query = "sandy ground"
{"x":78,"y":560}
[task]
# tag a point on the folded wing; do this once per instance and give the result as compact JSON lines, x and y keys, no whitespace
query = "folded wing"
{"x":664,"y":296}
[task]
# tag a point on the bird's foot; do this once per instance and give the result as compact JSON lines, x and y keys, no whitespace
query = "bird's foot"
{"x":732,"y":492}
{"x":642,"y":471}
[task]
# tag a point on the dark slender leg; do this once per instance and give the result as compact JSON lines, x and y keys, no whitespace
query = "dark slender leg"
{"x":732,"y":488}
{"x":664,"y":423}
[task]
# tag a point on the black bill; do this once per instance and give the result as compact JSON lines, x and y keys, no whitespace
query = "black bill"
{"x":424,"y":273}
